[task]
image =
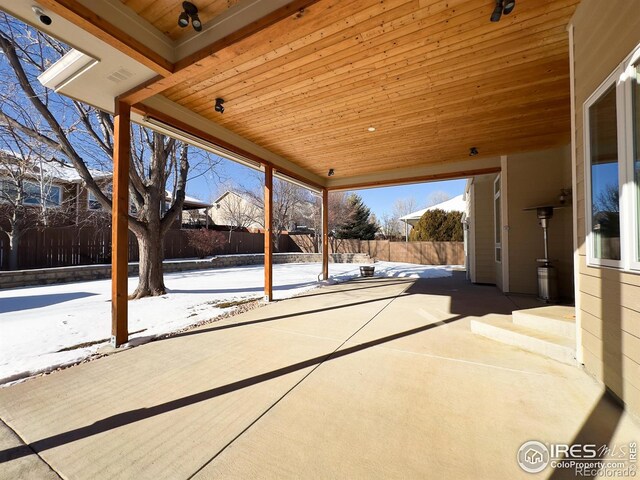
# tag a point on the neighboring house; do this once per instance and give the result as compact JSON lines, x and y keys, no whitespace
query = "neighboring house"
{"x":235,"y":210}
{"x":455,"y":204}
{"x":49,"y":182}
{"x":59,"y":184}
{"x":193,"y":211}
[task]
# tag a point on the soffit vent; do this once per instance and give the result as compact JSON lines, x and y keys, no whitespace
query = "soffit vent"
{"x":120,"y":75}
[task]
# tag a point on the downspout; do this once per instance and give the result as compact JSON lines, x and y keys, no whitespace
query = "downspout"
{"x":574,"y":193}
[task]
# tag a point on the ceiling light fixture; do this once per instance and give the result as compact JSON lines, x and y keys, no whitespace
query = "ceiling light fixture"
{"x":473,"y":151}
{"x":502,"y":7}
{"x":43,"y":17}
{"x":190,"y":12}
{"x":371,"y":129}
{"x":331,"y":172}
{"x":219,"y":107}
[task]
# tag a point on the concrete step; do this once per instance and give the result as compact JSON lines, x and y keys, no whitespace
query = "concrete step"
{"x":502,"y":330}
{"x":557,"y":320}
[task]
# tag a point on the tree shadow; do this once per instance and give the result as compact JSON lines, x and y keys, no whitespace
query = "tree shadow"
{"x":16,"y":304}
{"x":133,"y":416}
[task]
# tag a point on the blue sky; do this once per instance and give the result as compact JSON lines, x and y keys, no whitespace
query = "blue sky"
{"x":379,"y":200}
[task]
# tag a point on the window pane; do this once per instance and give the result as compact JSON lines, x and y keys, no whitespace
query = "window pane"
{"x":8,"y":190}
{"x":53,"y":196}
{"x":605,"y":188}
{"x":636,"y":152}
{"x":31,"y":193}
{"x":94,"y":204}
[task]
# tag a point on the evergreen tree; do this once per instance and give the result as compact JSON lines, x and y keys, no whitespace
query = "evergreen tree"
{"x":438,"y":226}
{"x":359,"y":224}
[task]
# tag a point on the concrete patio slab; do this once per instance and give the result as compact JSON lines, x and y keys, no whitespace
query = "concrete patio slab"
{"x":375,"y":378}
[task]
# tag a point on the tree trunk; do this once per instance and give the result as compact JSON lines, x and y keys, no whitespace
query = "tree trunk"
{"x":151,"y":248}
{"x":13,"y":251}
{"x":276,"y":240}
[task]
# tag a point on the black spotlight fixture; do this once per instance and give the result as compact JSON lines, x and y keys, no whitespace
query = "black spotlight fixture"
{"x":509,"y":5}
{"x":219,"y":105}
{"x":331,"y":172}
{"x":497,"y":11}
{"x":473,"y":151}
{"x":502,"y":7}
{"x":189,"y":12}
{"x":183,"y":20}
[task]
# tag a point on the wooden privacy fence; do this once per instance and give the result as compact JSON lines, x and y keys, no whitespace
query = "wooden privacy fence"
{"x":61,"y":247}
{"x":424,"y":253}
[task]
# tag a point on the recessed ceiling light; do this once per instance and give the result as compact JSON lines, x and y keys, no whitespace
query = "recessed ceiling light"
{"x":372,"y":129}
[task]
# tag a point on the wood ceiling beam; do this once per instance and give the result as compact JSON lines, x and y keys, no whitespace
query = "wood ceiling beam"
{"x":191,"y":65}
{"x":78,"y":14}
{"x":418,"y":179}
{"x":207,"y":137}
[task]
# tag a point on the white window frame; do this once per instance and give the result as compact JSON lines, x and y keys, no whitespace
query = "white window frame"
{"x":58,"y":204}
{"x":497,"y":198}
{"x":621,"y":77}
{"x":631,"y":225}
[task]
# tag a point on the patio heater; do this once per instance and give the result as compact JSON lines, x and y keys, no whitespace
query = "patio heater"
{"x":547,"y":273}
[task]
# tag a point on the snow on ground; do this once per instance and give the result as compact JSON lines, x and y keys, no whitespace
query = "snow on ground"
{"x":42,"y":328}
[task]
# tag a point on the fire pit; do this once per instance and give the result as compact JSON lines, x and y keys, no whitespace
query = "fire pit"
{"x":367,"y":271}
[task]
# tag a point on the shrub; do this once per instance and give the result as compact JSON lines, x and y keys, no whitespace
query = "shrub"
{"x":438,"y":226}
{"x":204,"y":241}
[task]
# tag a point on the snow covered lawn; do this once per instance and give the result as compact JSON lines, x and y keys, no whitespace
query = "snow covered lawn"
{"x":42,"y":328}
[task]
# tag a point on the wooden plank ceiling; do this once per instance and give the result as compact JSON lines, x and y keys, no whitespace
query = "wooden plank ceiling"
{"x":434,"y":78}
{"x":163,"y":14}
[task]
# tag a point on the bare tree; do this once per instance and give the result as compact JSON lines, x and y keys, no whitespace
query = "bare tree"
{"x":339,"y":210}
{"x":289,"y":203}
{"x":29,"y":199}
{"x":238,"y":210}
{"x":394,"y":227}
{"x":84,"y":135}
{"x":389,"y":226}
{"x":436,"y":197}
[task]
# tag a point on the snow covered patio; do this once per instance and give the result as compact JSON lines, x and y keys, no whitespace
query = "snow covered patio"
{"x":51,"y":326}
{"x":371,"y":378}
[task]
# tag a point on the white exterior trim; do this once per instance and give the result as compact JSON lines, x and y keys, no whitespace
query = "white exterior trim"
{"x":504,"y":210}
{"x":629,"y":219}
{"x":612,"y":80}
{"x":574,"y":194}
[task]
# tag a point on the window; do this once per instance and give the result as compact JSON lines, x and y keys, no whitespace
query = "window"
{"x":497,"y":218}
{"x":92,"y":202}
{"x":604,"y":173}
{"x":635,"y":156}
{"x":8,"y":190}
{"x":34,"y":194}
{"x":612,"y":168}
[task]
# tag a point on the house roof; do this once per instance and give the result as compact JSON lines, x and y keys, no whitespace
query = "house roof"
{"x":57,"y":170}
{"x":63,"y":172}
{"x":219,"y":199}
{"x":190,"y":203}
{"x":455,"y":204}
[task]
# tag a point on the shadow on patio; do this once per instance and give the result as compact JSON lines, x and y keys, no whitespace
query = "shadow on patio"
{"x":349,"y":358}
